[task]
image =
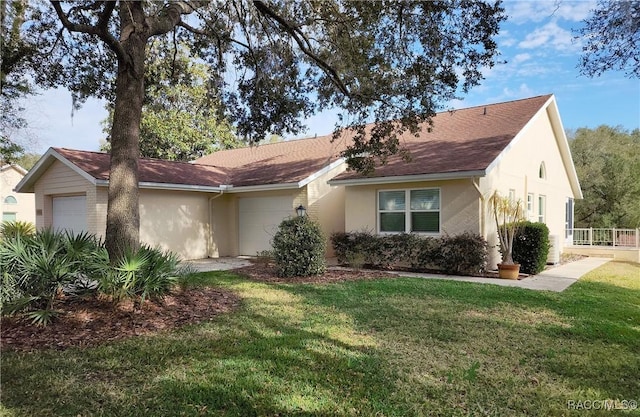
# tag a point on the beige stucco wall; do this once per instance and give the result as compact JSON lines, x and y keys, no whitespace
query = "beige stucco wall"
{"x":459,"y":206}
{"x":326,"y":204}
{"x":519,"y":170}
{"x":25,"y":202}
{"x":175,"y":220}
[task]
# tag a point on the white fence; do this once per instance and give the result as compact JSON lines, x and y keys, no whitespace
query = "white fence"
{"x":624,"y":238}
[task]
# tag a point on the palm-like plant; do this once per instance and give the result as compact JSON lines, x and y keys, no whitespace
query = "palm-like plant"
{"x":508,"y":215}
{"x":9,"y":230}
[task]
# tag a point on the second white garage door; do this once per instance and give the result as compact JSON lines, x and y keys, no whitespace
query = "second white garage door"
{"x":70,"y":213}
{"x":259,"y":220}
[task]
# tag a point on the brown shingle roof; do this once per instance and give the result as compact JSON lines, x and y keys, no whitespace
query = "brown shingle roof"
{"x":462,"y":140}
{"x":96,"y":164}
{"x":276,"y":163}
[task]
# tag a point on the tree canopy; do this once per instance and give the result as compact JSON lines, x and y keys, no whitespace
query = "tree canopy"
{"x":14,"y":51}
{"x":181,"y":120}
{"x":271,"y":64}
{"x":612,"y":39}
{"x":608,"y":167}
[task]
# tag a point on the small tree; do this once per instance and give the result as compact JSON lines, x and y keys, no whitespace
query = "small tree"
{"x":508,"y":215}
{"x":298,"y":248}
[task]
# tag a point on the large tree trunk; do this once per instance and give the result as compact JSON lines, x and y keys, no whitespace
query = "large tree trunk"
{"x":123,"y":213}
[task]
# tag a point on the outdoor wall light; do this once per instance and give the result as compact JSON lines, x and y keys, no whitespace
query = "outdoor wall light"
{"x":301,"y":210}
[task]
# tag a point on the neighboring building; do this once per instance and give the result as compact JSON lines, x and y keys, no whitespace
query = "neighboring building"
{"x":230,"y":203}
{"x":15,"y":206}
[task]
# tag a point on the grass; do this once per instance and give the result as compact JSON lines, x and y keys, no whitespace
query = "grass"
{"x":390,"y":347}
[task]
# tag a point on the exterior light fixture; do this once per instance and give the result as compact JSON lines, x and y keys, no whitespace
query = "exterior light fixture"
{"x":301,"y":210}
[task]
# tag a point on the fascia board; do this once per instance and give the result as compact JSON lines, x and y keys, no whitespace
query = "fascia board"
{"x":321,"y":172}
{"x":410,"y":178}
{"x":266,"y":187}
{"x":565,"y":150}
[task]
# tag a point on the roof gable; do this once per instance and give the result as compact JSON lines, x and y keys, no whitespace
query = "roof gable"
{"x":459,"y":141}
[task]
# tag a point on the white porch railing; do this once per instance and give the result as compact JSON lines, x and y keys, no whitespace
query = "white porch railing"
{"x":626,"y":238}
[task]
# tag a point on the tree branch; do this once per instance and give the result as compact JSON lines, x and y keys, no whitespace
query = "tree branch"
{"x":170,"y":17}
{"x":303,"y":43}
{"x":100,"y":31}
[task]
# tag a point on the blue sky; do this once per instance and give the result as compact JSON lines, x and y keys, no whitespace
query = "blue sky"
{"x":536,"y":41}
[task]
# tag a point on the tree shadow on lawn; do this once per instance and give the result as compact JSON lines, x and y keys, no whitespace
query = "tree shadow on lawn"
{"x":241,"y":364}
{"x":588,"y":337}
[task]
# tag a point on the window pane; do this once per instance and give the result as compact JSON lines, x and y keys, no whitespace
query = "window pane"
{"x":8,"y":217}
{"x":391,"y":200}
{"x":425,"y":222}
{"x":10,"y":200}
{"x":392,"y":222}
{"x":425,"y":199}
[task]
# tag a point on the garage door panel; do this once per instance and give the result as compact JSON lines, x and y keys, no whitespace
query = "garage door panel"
{"x":70,"y":213}
{"x":259,"y":220}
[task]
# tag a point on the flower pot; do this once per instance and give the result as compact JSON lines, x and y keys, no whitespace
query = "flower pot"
{"x":508,"y":271}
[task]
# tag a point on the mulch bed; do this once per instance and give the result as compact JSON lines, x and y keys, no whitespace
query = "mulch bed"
{"x":87,"y":322}
{"x":267,"y":273}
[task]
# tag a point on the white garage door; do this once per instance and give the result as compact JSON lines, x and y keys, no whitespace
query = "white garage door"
{"x":259,"y":220}
{"x":70,"y":213}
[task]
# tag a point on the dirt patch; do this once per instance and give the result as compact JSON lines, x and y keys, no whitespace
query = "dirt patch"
{"x":86,"y":322}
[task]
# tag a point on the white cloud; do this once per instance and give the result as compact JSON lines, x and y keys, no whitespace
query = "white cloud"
{"x":522,"y":91}
{"x":520,"y":12}
{"x":549,"y":36}
{"x":521,"y":58}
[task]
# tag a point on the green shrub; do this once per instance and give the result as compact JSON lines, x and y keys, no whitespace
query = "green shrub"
{"x":148,"y":273}
{"x":464,"y":254}
{"x":37,"y":269}
{"x":9,"y":230}
{"x":531,"y":247}
{"x":426,"y":253}
{"x":364,"y":248}
{"x":298,"y":248}
{"x":40,"y":267}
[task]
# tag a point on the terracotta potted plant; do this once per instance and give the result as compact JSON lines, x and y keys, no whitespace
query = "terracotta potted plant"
{"x":508,"y":216}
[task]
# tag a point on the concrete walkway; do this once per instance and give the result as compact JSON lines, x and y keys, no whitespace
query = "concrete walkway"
{"x":218,"y":264}
{"x":557,"y":278}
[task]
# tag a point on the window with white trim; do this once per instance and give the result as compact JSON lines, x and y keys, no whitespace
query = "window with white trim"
{"x":512,"y":195}
{"x":530,"y":212}
{"x":542,"y":207}
{"x":10,"y":200}
{"x":420,"y":215}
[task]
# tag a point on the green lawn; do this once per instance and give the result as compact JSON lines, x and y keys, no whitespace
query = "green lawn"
{"x":388,"y":347}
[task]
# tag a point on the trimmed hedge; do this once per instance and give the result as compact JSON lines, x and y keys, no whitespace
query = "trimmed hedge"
{"x":531,"y":247}
{"x":465,"y":254}
{"x":298,"y":248}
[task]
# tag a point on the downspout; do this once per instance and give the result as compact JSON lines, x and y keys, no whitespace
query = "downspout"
{"x":483,"y":214}
{"x":210,"y":243}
